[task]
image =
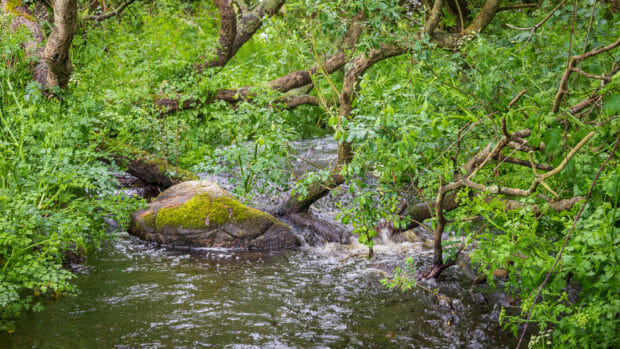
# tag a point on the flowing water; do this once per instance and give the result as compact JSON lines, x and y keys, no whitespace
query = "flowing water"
{"x":136,"y":295}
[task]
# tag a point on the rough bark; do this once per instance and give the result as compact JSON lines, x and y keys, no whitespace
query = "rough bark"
{"x":233,"y":33}
{"x":477,"y":25}
{"x":56,"y":53}
{"x":149,"y":169}
{"x":483,"y":19}
{"x":226,"y":36}
{"x":434,"y":17}
{"x":252,"y":21}
{"x":288,"y":82}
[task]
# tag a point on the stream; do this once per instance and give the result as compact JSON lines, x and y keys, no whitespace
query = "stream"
{"x":133,"y":294}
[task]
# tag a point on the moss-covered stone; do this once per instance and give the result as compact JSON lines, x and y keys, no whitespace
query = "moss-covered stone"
{"x":201,"y":213}
{"x":13,"y":7}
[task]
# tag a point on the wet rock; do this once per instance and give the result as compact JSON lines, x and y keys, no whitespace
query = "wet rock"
{"x":77,"y":268}
{"x":326,"y":231}
{"x":478,"y":298}
{"x":112,"y":224}
{"x":202,"y":214}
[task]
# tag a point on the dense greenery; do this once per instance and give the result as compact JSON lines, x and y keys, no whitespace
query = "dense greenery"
{"x":417,"y":119}
{"x":54,"y":190}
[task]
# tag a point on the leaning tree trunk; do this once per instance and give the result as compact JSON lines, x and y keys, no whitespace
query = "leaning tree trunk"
{"x":56,"y":53}
{"x":357,"y":67}
{"x":149,"y":169}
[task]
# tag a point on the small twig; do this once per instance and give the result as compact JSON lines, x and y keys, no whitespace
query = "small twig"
{"x":517,"y":97}
{"x":516,"y":7}
{"x":591,"y":76}
{"x":563,"y":89}
{"x":535,"y":27}
{"x":107,"y":15}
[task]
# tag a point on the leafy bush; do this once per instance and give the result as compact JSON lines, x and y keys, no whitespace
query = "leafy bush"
{"x":54,"y":191}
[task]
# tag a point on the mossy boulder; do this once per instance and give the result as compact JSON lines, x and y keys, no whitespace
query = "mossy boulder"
{"x":202,"y":214}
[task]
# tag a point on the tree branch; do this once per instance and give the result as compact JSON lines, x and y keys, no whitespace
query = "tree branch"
{"x":290,"y":81}
{"x":434,"y":18}
{"x":226,"y":36}
{"x":516,"y":7}
{"x":106,"y":15}
{"x":563,"y":89}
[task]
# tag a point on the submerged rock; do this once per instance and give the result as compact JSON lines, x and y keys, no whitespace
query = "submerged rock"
{"x":202,"y":214}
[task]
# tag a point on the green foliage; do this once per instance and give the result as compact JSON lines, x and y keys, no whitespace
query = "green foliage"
{"x":54,"y":192}
{"x":408,"y":113}
{"x":404,"y":277}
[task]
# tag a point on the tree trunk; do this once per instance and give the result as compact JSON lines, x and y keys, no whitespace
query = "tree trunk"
{"x":357,"y":67}
{"x":235,"y":33}
{"x":56,"y":53}
{"x":147,"y":168}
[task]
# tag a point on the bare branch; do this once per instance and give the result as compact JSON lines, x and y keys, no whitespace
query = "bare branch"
{"x":473,"y":166}
{"x":511,"y":160}
{"x":110,"y":14}
{"x":591,"y":76}
{"x":563,"y":89}
{"x":535,"y":27}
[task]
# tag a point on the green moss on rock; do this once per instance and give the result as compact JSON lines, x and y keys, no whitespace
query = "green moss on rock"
{"x":204,"y":211}
{"x":12,"y":7}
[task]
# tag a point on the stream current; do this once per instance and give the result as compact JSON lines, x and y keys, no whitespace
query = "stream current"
{"x":135,"y":295}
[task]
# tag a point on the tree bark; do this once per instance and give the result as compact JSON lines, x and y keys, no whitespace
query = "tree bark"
{"x":56,"y":53}
{"x":226,"y":36}
{"x":234,"y":34}
{"x":148,"y":168}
